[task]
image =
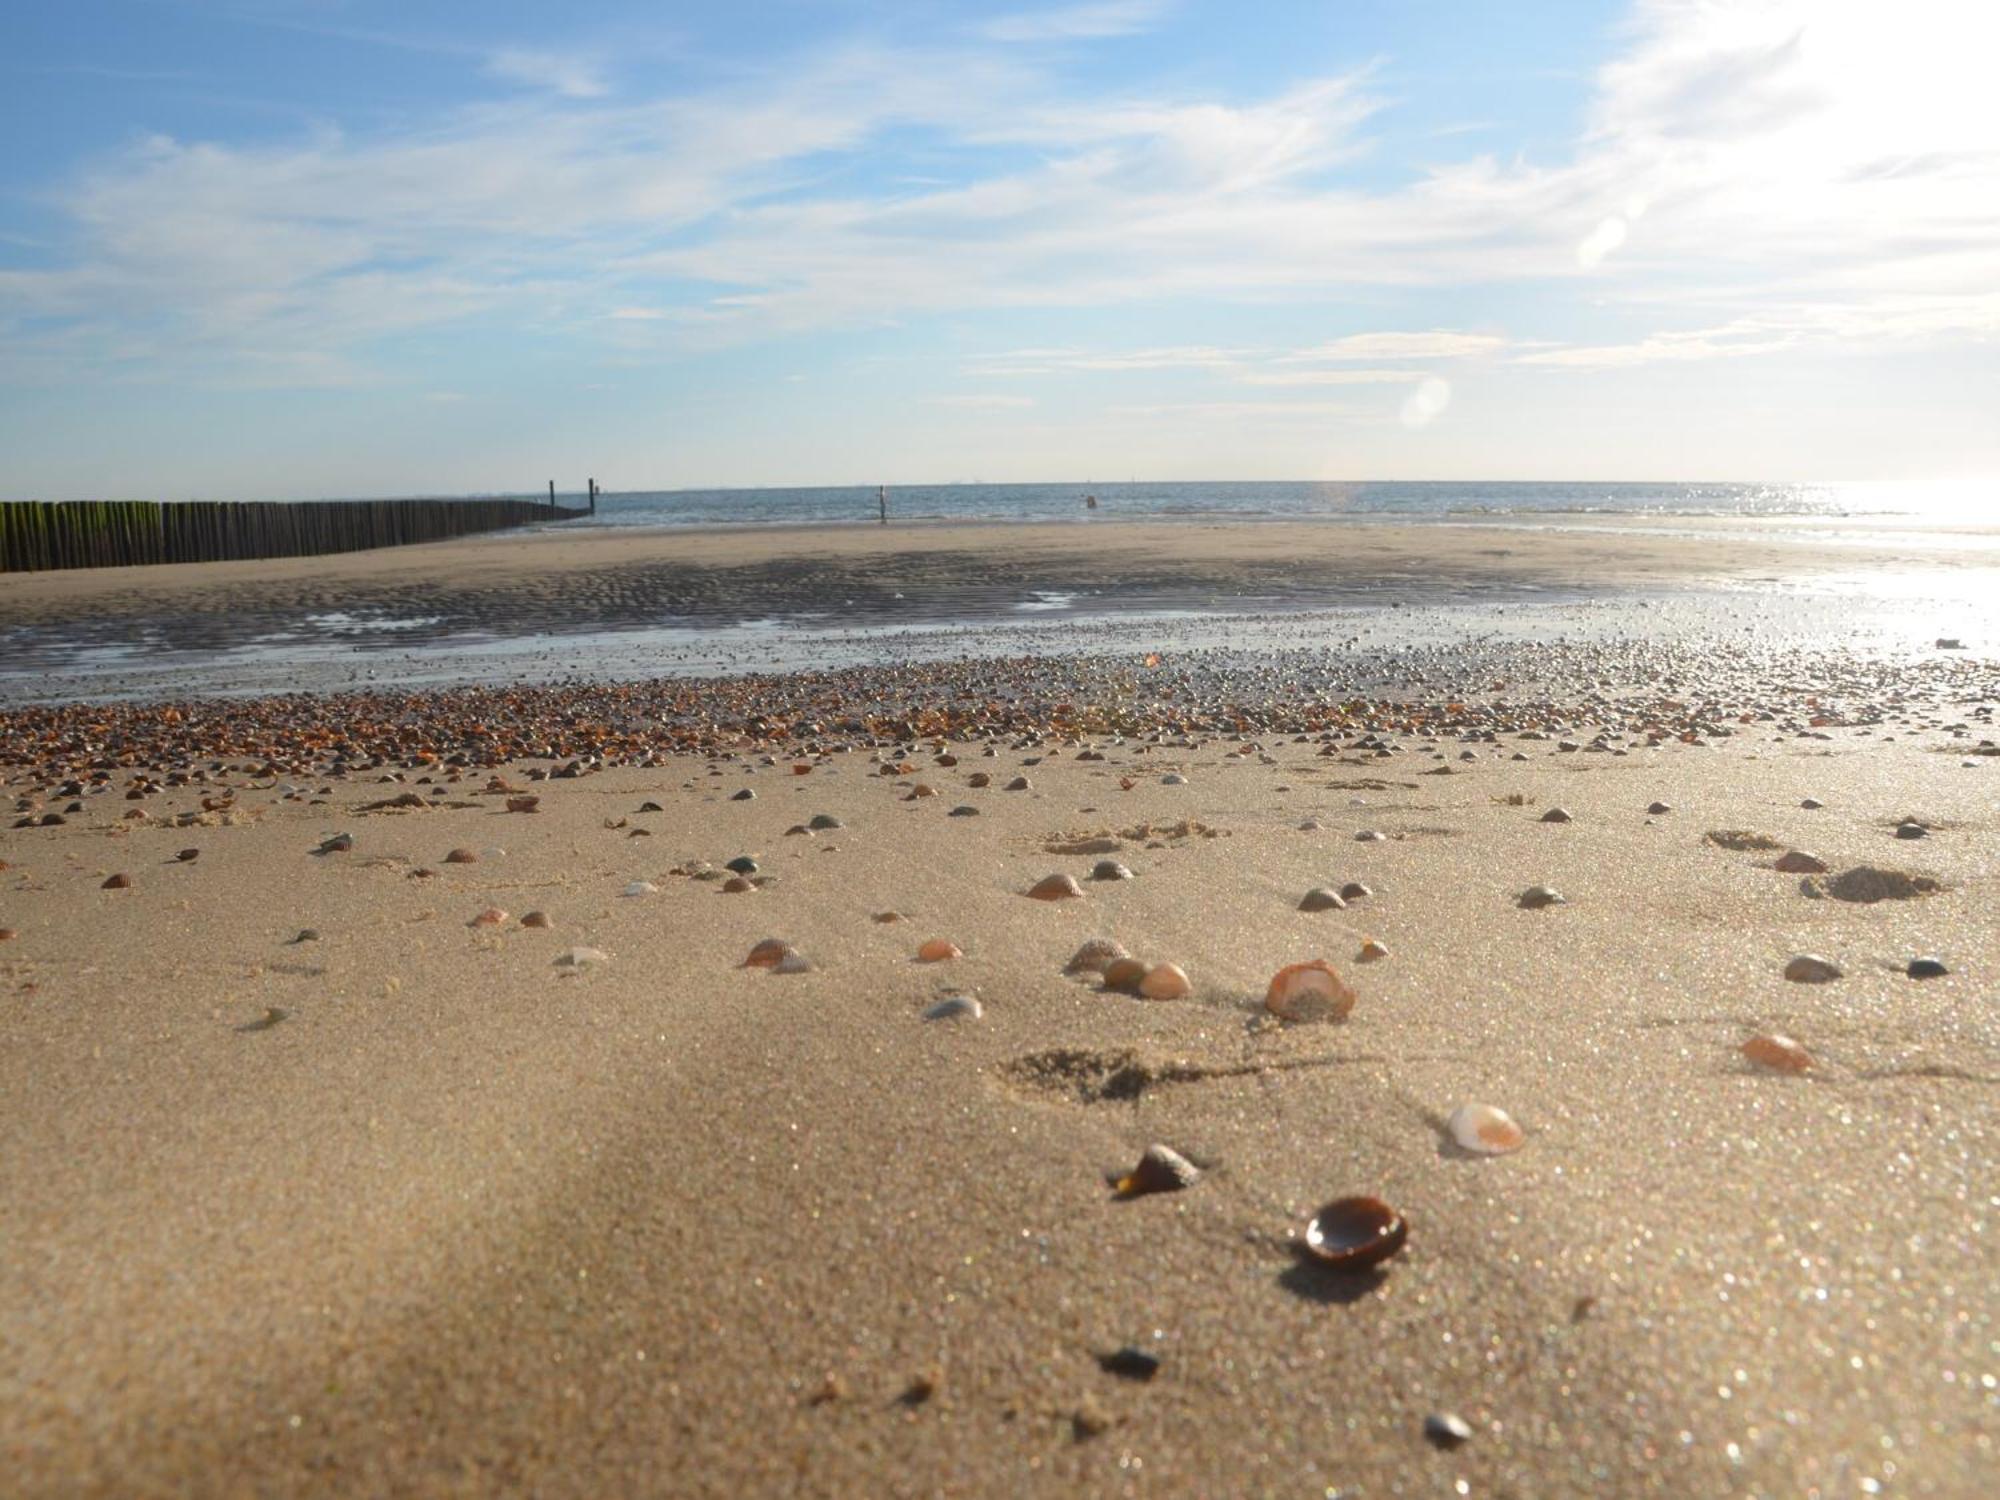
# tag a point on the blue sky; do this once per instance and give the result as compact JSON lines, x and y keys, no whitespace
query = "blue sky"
{"x":306,"y":247}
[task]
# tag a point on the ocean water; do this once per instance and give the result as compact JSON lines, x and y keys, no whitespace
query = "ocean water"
{"x":1942,"y":503}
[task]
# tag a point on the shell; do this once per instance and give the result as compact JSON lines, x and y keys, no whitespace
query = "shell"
{"x":1798,"y":862}
{"x":1371,"y":950}
{"x":1319,"y":898}
{"x":1927,"y":968}
{"x":524,"y":804}
{"x":1109,"y":869}
{"x":1485,"y":1129}
{"x":887,"y":916}
{"x":1055,"y":888}
{"x":954,"y":1008}
{"x":1557,"y":815}
{"x":1019,"y":784}
{"x":979,"y":779}
{"x":1354,"y":890}
{"x":578,"y":958}
{"x":1173,"y":778}
{"x":937,"y":950}
{"x":1778,"y":1053}
{"x":743,"y":864}
{"x":461,"y":857}
{"x":537,"y":919}
{"x":1125,"y":974}
{"x":1095,"y":956}
{"x":737,"y":885}
{"x":1166,"y":982}
{"x":118,"y":882}
{"x":767,"y":954}
{"x":1352,"y":1234}
{"x":1810,"y":968}
{"x":491,"y":917}
{"x":1311,"y":991}
{"x":641,"y":888}
{"x":793,"y":962}
{"x":821,"y":822}
{"x":1535,"y":897}
{"x":1161,"y":1169}
{"x":1656,"y":808}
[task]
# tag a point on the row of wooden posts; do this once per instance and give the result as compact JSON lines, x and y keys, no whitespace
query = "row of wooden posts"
{"x":38,"y":535}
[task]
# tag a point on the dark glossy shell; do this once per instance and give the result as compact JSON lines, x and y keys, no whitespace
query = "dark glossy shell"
{"x":1352,"y":1234}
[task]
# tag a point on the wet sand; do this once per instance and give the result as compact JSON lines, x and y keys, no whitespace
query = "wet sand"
{"x":462,"y":1221}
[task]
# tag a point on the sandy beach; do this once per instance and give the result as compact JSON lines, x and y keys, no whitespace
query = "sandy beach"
{"x":412,"y":1206}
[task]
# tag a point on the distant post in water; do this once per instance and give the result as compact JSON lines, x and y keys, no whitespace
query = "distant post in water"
{"x":882,"y":500}
{"x":593,"y":497}
{"x":552,"y":497}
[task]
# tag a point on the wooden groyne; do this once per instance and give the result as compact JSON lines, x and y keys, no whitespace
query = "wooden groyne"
{"x":37,"y":535}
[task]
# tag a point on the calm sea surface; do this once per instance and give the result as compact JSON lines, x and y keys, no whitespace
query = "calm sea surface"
{"x":1289,"y":500}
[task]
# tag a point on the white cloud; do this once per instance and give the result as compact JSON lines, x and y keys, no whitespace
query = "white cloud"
{"x":980,"y":402}
{"x":1075,"y":23}
{"x":1426,"y":403}
{"x":568,"y":74}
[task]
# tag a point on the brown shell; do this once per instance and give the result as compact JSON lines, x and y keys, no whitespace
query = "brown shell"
{"x":1125,"y":974}
{"x":461,"y":857}
{"x":536,"y":919}
{"x":1352,"y":1234}
{"x":1778,"y":1053}
{"x":1166,"y":982}
{"x":1160,"y":1170}
{"x":1311,"y":991}
{"x":767,"y":954}
{"x":937,"y":950}
{"x":1094,"y":956}
{"x":1055,"y":888}
{"x":1319,"y":898}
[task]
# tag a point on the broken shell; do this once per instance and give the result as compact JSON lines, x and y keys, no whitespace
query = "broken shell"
{"x":793,"y":962}
{"x":7,"y":934}
{"x":1446,"y":1429}
{"x":1125,"y":974}
{"x":1319,"y":898}
{"x":1311,"y":991}
{"x":1055,"y":888}
{"x":461,"y":857}
{"x":1798,"y":862}
{"x":1370,"y":836}
{"x":1354,"y":890}
{"x":963,"y":810}
{"x":767,"y":954}
{"x":1810,"y":968}
{"x":937,"y":950}
{"x":954,"y":1008}
{"x":1537,"y":896}
{"x":1166,"y":982}
{"x":537,"y":919}
{"x":1778,"y":1053}
{"x":1371,"y":950}
{"x":1109,"y":869}
{"x":578,"y":958}
{"x":118,"y":882}
{"x":1485,"y":1129}
{"x":491,"y":917}
{"x":1160,"y":1170}
{"x":524,"y":804}
{"x":338,"y":844}
{"x":1094,"y":956}
{"x":1352,"y":1234}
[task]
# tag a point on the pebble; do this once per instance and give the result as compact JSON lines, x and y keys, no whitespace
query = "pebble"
{"x":738,"y":885}
{"x":1319,"y":898}
{"x":1798,"y":862}
{"x":524,"y":804}
{"x":188,"y":856}
{"x":1129,"y":1363}
{"x":954,"y":1008}
{"x":1810,"y":968}
{"x":491,"y":917}
{"x":887,"y":916}
{"x":340,"y":843}
{"x":1166,"y":982}
{"x":1446,"y":1429}
{"x":1055,"y":888}
{"x":1109,"y":869}
{"x":1311,"y":825}
{"x":7,"y":934}
{"x":1355,"y":1234}
{"x":767,"y":954}
{"x":580,"y":958}
{"x":1557,"y":815}
{"x":979,"y":779}
{"x":1536,"y":897}
{"x":1173,"y":778}
{"x":1125,"y":975}
{"x":1778,"y":1053}
{"x":307,"y":935}
{"x":1094,"y":955}
{"x":1927,"y":968}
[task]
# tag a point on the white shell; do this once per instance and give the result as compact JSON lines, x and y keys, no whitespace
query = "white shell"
{"x":794,"y":962}
{"x":642,"y":888}
{"x":577,"y":958}
{"x":954,"y":1008}
{"x":1486,"y":1129}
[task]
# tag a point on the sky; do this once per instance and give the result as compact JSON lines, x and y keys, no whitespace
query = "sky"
{"x":291,"y":248}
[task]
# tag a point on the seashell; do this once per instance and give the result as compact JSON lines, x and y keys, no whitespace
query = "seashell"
{"x":1912,"y":831}
{"x":1447,"y":1429}
{"x":118,"y":882}
{"x":8,"y":934}
{"x":1369,"y":836}
{"x":580,"y":958}
{"x":947,"y":760}
{"x":793,"y":962}
{"x":1557,"y":815}
{"x":767,"y":954}
{"x":1125,"y":975}
{"x":1311,"y":991}
{"x":963,"y":810}
{"x":798,"y":830}
{"x":1485,"y":1129}
{"x":1353,"y":1234}
{"x":1778,"y":1053}
{"x":524,"y":804}
{"x":1319,"y":898}
{"x":887,"y":916}
{"x":922,"y":789}
{"x":1798,"y":862}
{"x":1019,"y":784}
{"x":646,"y":807}
{"x":188,"y":856}
{"x":821,"y":822}
{"x":1311,"y":825}
{"x":954,"y":1008}
{"x":1093,"y":956}
{"x":801,"y":768}
{"x":273,"y":1014}
{"x":641,"y":888}
{"x":1166,"y":982}
{"x":1927,"y":968}
{"x":537,"y":919}
{"x":1535,"y":897}
{"x":1109,"y":869}
{"x":1371,"y":950}
{"x":937,"y":950}
{"x":1354,"y":890}
{"x":491,"y":917}
{"x":736,"y":885}
{"x":979,"y":779}
{"x":338,"y":844}
{"x":1161,"y":1169}
{"x":1129,"y":1363}
{"x":743,"y":864}
{"x":1810,"y":968}
{"x":1812,"y":804}
{"x":1055,"y":888}
{"x":745,"y":795}
{"x":461,"y":857}
{"x":1656,"y":808}
{"x":1173,"y":778}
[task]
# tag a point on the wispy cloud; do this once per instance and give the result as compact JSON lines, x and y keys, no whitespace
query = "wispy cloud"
{"x":978,"y":401}
{"x":1076,"y":22}
{"x":566,"y":73}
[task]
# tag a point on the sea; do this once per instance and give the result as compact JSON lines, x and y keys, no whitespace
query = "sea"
{"x":1943,"y":502}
